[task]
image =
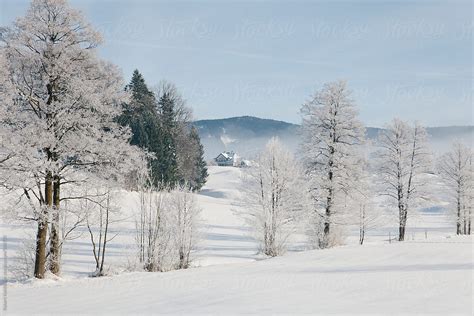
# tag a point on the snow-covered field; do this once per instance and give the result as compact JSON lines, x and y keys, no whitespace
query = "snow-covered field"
{"x":432,"y":272}
{"x":414,"y":277}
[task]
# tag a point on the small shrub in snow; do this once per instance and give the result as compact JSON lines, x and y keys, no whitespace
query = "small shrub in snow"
{"x":273,"y":198}
{"x":166,"y":228}
{"x":24,"y":263}
{"x":184,"y":224}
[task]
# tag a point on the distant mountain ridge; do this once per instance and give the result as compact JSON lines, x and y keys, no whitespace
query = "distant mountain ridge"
{"x":247,"y":135}
{"x":251,"y":124}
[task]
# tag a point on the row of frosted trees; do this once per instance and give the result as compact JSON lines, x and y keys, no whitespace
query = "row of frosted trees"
{"x":339,"y":179}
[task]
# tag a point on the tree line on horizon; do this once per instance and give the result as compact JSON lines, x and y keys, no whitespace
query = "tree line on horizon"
{"x":338,"y":182}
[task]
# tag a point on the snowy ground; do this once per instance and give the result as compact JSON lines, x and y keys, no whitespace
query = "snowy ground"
{"x":414,"y":277}
{"x":421,"y":275}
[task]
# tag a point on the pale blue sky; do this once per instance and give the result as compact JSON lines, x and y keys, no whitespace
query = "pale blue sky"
{"x":411,"y":59}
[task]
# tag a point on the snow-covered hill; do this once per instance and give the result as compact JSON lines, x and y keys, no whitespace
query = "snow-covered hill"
{"x":426,"y":274}
{"x":247,"y":135}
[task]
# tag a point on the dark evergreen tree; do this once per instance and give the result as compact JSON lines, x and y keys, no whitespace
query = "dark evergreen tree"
{"x":141,"y":116}
{"x":162,"y":128}
{"x":200,"y":169}
{"x":168,"y":167}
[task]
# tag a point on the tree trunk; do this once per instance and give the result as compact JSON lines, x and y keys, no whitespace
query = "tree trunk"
{"x":329,"y":199}
{"x":464,"y":220}
{"x":41,"y":236}
{"x":403,"y":223}
{"x":329,"y":202}
{"x":40,"y":257}
{"x":55,"y":246}
{"x":458,"y":220}
{"x":469,"y":221}
{"x":362,"y":225}
{"x":101,"y":269}
{"x":326,"y":225}
{"x":401,"y":233}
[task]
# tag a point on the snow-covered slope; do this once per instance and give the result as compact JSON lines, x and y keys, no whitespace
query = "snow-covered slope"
{"x":410,"y":278}
{"x":225,"y":237}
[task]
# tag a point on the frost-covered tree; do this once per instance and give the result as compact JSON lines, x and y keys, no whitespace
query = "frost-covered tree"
{"x":332,"y":134}
{"x":191,"y":164}
{"x":62,"y":120}
{"x":456,"y":169}
{"x":182,"y":113}
{"x":273,"y":197}
{"x":168,"y":156}
{"x":152,"y":230}
{"x":199,"y":167}
{"x":166,"y":228}
{"x":152,"y":226}
{"x":99,"y":215}
{"x":6,"y":101}
{"x":184,"y":221}
{"x":362,"y":199}
{"x":403,"y":159}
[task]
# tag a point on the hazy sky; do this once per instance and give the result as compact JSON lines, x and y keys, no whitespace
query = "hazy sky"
{"x":411,"y":59}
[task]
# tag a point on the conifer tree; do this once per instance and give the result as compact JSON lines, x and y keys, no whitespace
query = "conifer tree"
{"x":200,"y":170}
{"x":176,"y":118}
{"x":167,"y":161}
{"x":163,"y":128}
{"x":141,"y":116}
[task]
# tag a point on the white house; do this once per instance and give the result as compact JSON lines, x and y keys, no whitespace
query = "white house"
{"x":227,"y":159}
